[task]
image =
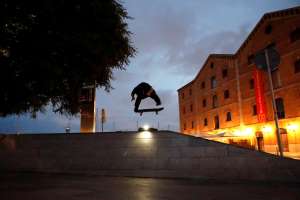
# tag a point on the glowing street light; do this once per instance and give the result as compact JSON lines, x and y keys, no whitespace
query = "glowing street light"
{"x":146,"y":127}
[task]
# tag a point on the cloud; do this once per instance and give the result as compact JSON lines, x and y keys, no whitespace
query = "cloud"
{"x":173,"y":39}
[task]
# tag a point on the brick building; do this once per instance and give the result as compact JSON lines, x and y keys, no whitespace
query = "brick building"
{"x":220,"y":102}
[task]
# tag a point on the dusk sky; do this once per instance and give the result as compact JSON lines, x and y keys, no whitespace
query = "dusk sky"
{"x":173,"y":38}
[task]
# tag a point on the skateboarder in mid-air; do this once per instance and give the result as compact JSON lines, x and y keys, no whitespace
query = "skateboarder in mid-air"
{"x":144,"y":90}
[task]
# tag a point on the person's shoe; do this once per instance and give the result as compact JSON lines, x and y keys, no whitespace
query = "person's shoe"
{"x":136,"y":110}
{"x":158,"y":104}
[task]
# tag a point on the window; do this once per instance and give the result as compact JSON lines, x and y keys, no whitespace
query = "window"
{"x":183,"y":110}
{"x":254,"y":110}
{"x":192,"y":124}
{"x":204,"y":103}
{"x":203,"y":85}
{"x":226,"y":94}
{"x":280,"y":108}
{"x":297,"y":66}
{"x":205,"y":122}
{"x":217,"y":123}
{"x":86,"y":95}
{"x":191,"y":107}
{"x":284,"y":139}
{"x":260,"y":141}
{"x":250,"y":59}
{"x":228,"y":116}
{"x":182,"y":95}
{"x":190,"y":92}
{"x":211,"y":65}
{"x":184,"y":126}
{"x":276,"y":78}
{"x":215,"y":101}
{"x":295,"y":35}
{"x":213,"y":82}
{"x":224,"y":73}
{"x":251,"y":83}
{"x":268,"y":29}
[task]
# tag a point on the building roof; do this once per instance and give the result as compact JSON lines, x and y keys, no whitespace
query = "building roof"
{"x":266,"y":17}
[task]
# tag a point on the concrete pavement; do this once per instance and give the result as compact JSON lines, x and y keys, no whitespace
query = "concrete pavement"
{"x":16,"y":186}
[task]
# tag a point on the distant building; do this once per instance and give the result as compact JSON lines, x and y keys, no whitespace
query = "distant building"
{"x":220,"y":103}
{"x":87,"y":109}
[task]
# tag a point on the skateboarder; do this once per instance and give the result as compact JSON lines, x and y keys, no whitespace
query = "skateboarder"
{"x":144,"y":90}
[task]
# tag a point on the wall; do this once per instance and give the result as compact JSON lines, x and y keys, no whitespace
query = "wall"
{"x":161,"y":154}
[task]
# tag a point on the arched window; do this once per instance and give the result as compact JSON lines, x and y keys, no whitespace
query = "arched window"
{"x":213,"y":82}
{"x":228,"y":116}
{"x":215,"y":101}
{"x":295,"y":35}
{"x":205,"y":122}
{"x":280,"y":108}
{"x":217,"y":122}
{"x":284,"y":139}
{"x":204,"y":103}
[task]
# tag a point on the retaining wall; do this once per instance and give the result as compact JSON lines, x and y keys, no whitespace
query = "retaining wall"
{"x":162,"y":154}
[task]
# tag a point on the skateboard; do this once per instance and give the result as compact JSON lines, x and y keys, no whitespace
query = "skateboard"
{"x":156,"y":110}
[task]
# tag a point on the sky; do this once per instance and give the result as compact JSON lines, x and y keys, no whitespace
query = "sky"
{"x":173,"y":38}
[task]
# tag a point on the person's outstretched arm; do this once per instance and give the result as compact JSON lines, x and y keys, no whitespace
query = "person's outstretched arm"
{"x":132,"y":94}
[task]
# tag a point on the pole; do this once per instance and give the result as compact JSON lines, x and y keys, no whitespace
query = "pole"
{"x":274,"y":105}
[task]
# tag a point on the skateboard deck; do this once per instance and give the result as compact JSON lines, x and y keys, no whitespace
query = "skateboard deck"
{"x":156,"y":110}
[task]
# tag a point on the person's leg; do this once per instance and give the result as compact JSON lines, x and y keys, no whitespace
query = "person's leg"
{"x":137,"y":103}
{"x":155,"y":97}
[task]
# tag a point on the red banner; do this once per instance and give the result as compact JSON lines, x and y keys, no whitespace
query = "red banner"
{"x":259,"y":95}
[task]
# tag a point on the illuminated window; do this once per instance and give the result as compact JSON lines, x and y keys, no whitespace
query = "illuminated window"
{"x":224,"y":73}
{"x":284,"y":139}
{"x":203,"y":84}
{"x":217,"y":123}
{"x":228,"y":116}
{"x":280,"y":108}
{"x":215,"y":101}
{"x":260,"y":141}
{"x":226,"y":94}
{"x":295,"y":35}
{"x":251,"y":83}
{"x":254,"y":110}
{"x":213,"y":82}
{"x":297,"y":66}
{"x":204,"y":103}
{"x":205,"y":122}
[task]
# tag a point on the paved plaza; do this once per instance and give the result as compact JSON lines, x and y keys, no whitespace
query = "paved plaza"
{"x":62,"y":186}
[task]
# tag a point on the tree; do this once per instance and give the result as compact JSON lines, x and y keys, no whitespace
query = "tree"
{"x":50,"y":49}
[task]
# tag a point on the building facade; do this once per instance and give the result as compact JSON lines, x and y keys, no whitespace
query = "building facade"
{"x":87,"y":109}
{"x":222,"y":102}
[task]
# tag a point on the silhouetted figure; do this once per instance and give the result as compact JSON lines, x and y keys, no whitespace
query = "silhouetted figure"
{"x":144,"y":90}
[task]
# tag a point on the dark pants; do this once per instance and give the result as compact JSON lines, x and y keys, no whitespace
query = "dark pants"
{"x":139,"y":99}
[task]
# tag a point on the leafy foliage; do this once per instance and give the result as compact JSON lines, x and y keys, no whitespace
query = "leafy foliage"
{"x":49,"y":49}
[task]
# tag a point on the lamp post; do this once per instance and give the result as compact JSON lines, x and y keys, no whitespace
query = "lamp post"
{"x":274,"y":103}
{"x":266,"y":60}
